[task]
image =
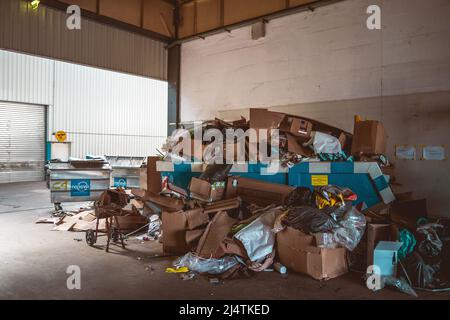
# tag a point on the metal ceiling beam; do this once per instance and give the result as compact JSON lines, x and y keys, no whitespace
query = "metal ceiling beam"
{"x":267,"y":17}
{"x":110,"y":21}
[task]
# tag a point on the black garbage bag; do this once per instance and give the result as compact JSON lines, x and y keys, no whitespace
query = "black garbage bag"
{"x":216,"y":172}
{"x":300,"y":196}
{"x":338,"y":211}
{"x":309,"y":220}
{"x":419,"y":273}
{"x":432,"y":245}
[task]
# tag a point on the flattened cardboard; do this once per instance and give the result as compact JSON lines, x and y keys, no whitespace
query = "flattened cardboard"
{"x":215,"y":233}
{"x":264,"y":119}
{"x":223,"y":205}
{"x":296,"y":252}
{"x":296,"y":147}
{"x":175,"y":226}
{"x":369,"y":137}
{"x":262,"y":193}
{"x":193,"y":237}
{"x":174,"y":232}
{"x":153,"y":176}
{"x":196,"y":218}
{"x":169,"y":204}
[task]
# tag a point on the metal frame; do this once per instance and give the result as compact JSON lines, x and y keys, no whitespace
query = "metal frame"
{"x":113,"y":22}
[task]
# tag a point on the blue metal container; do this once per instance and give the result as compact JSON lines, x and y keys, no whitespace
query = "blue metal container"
{"x":181,"y":174}
{"x":363,"y":178}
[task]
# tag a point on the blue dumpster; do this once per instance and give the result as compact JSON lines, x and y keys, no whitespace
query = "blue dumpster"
{"x":182,"y":173}
{"x":363,"y":178}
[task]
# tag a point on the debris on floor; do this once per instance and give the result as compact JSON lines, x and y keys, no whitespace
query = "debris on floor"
{"x":227,"y":224}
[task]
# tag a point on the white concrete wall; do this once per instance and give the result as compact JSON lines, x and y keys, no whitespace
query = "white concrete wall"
{"x":104,"y":112}
{"x":327,"y":65}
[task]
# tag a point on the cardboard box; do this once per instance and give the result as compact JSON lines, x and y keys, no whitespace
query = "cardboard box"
{"x":385,"y":257}
{"x":296,"y":251}
{"x":369,"y":137}
{"x":264,"y":119}
{"x":203,"y":190}
{"x":143,"y":178}
{"x":215,"y":233}
{"x":262,"y":193}
{"x":222,"y":205}
{"x":375,"y":234}
{"x":193,"y":237}
{"x":297,"y":127}
{"x":166,"y":203}
{"x":297,"y":148}
{"x":153,"y":176}
{"x":231,"y":190}
{"x":175,"y":226}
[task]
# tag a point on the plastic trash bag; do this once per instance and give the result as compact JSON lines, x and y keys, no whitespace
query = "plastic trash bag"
{"x":432,"y":245}
{"x":325,"y":143}
{"x":337,"y":212}
{"x":330,"y":196}
{"x":351,"y":229}
{"x":257,"y":237}
{"x":401,"y":284}
{"x":309,"y":220}
{"x":300,"y":196}
{"x":420,"y":274}
{"x":201,"y":265}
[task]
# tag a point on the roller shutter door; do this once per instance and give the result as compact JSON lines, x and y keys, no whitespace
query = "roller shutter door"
{"x":22,"y":142}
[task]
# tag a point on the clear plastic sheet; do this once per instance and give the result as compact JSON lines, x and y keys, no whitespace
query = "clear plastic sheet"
{"x":351,"y":229}
{"x":258,"y":238}
{"x":325,"y":143}
{"x":201,"y":265}
{"x":401,"y":284}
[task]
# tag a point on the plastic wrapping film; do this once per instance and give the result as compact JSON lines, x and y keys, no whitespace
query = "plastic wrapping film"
{"x":258,"y":238}
{"x":351,"y":229}
{"x":201,"y":265}
{"x":325,"y":143}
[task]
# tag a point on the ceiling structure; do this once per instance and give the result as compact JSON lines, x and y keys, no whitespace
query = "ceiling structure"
{"x":182,"y":20}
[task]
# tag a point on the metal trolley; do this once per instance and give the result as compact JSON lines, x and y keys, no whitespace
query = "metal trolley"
{"x":77,"y":181}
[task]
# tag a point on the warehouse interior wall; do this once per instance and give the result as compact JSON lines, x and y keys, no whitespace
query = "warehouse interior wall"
{"x":329,"y":66}
{"x":103,"y":112}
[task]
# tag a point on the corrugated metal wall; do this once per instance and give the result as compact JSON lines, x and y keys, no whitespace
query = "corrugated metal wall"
{"x":104,"y":112}
{"x":107,"y":112}
{"x":25,"y":78}
{"x":43,"y":32}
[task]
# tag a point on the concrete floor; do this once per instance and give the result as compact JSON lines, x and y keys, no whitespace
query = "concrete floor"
{"x":34,"y":259}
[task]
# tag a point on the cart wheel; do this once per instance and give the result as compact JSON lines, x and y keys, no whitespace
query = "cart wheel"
{"x":90,"y":237}
{"x":114,"y":235}
{"x":58,"y":207}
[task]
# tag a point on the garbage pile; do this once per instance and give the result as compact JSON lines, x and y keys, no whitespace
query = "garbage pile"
{"x":225,"y":226}
{"x":299,"y":139}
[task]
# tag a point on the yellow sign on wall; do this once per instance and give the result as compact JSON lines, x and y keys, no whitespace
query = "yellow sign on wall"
{"x":61,"y":136}
{"x":319,"y":180}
